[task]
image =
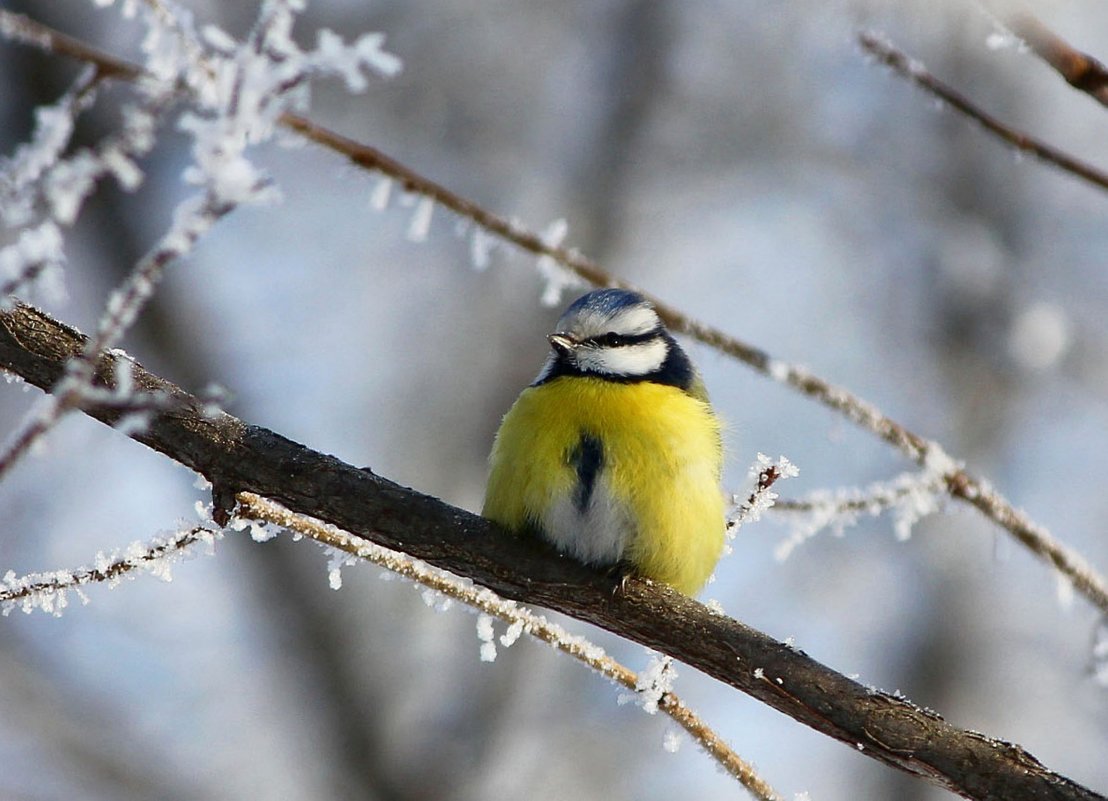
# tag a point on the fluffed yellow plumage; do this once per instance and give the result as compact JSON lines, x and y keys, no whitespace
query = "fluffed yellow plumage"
{"x":662,"y":460}
{"x":614,"y":453}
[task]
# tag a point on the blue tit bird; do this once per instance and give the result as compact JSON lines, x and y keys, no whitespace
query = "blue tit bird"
{"x":613,"y":454}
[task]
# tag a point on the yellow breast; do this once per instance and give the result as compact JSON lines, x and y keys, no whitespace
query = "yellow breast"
{"x":654,"y":500}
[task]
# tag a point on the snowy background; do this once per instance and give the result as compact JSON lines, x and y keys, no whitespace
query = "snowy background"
{"x":742,"y":160}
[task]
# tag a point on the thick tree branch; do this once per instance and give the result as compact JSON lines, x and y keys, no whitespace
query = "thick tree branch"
{"x":236,"y":456}
{"x":959,"y":483}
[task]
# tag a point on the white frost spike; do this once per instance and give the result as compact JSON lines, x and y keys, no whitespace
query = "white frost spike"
{"x":671,"y":740}
{"x":259,"y":532}
{"x":480,"y":248}
{"x":938,"y":462}
{"x":778,"y":370}
{"x":1100,"y":654}
{"x":69,"y":183}
{"x":124,"y":377}
{"x":555,"y":233}
{"x":558,"y":279}
{"x":133,"y":423}
{"x":379,"y":199}
{"x":509,"y":637}
{"x":331,"y":49}
{"x":1001,"y":40}
{"x":39,"y":245}
{"x":370,"y":50}
{"x":219,"y":39}
{"x":160,"y":569}
{"x":654,"y":682}
{"x":421,"y":220}
{"x":122,"y":167}
{"x":1065,"y":590}
{"x":487,"y":637}
{"x":336,"y":561}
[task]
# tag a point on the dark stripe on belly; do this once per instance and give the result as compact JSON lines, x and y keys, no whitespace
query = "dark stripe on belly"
{"x":587,"y":458}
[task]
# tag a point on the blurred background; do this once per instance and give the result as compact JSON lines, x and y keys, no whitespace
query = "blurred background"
{"x":742,"y":160}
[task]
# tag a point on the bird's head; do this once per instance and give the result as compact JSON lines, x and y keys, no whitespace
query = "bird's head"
{"x":614,"y":334}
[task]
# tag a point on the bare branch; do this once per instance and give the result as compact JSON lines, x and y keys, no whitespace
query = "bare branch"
{"x":1081,"y":71}
{"x":238,"y":457}
{"x":907,"y":67}
{"x":21,"y":28}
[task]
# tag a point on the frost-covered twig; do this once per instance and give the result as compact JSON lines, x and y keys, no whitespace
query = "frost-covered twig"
{"x":910,"y":497}
{"x":50,"y":591}
{"x":191,"y":221}
{"x":960,"y":484}
{"x":519,"y":620}
{"x":21,"y":28}
{"x":764,"y":473}
{"x":235,"y":93}
{"x":38,"y":248}
{"x":54,"y":126}
{"x":881,"y":48}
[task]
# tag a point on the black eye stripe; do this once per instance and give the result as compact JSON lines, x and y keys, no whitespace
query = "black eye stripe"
{"x":614,"y":340}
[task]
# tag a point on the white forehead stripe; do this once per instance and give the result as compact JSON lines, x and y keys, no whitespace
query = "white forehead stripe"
{"x":631,"y":321}
{"x":629,"y":360}
{"x":635,"y":320}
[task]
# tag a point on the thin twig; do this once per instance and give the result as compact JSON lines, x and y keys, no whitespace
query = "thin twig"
{"x":125,"y":305}
{"x":960,"y":484}
{"x":21,"y":28}
{"x":907,"y":67}
{"x":1081,"y":71}
{"x":255,"y":507}
{"x":761,"y":498}
{"x":47,"y":591}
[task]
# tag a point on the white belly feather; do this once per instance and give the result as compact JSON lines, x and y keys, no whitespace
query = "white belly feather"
{"x":599,"y":534}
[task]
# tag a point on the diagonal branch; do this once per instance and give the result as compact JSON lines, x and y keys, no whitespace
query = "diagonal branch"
{"x":518,"y":618}
{"x":959,"y":483}
{"x":907,"y":67}
{"x":48,"y":591}
{"x":236,"y":456}
{"x":1081,"y":71}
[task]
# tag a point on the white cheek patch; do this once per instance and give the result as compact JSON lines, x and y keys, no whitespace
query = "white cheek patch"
{"x":641,"y":359}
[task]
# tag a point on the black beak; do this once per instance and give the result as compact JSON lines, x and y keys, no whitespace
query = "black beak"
{"x":563,"y":344}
